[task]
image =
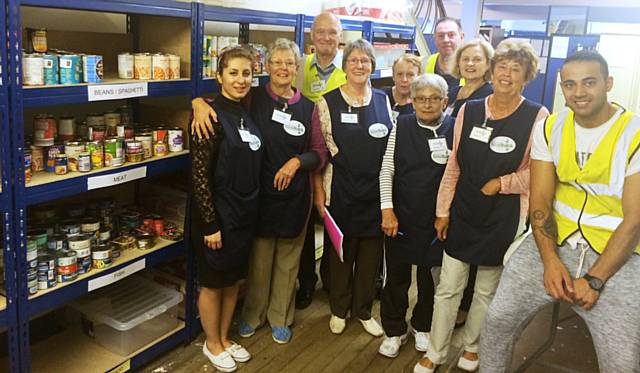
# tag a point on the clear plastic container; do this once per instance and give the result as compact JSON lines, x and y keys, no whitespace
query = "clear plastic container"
{"x":129,"y":314}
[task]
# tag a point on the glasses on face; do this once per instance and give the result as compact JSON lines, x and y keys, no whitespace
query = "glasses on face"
{"x":429,"y":100}
{"x":279,"y":63}
{"x":354,"y":61}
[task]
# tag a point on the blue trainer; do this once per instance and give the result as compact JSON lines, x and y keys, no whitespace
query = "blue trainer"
{"x":281,"y":334}
{"x":245,"y":330}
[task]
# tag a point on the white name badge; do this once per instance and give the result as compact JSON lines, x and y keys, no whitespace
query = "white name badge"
{"x":350,"y":118}
{"x":502,"y":145}
{"x":245,"y":135}
{"x":440,"y":156}
{"x":378,"y":130}
{"x":482,"y":134}
{"x":254,"y":143}
{"x":438,"y":144}
{"x":395,"y":114}
{"x":294,"y":128}
{"x":318,"y":86}
{"x":448,"y":110}
{"x":280,"y":116}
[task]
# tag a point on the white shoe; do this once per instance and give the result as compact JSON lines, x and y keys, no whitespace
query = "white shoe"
{"x":372,"y":327}
{"x":222,"y":362}
{"x":419,"y":368}
{"x":390,"y":346}
{"x":468,"y":365}
{"x":422,"y":340}
{"x":337,"y":324}
{"x":238,"y":353}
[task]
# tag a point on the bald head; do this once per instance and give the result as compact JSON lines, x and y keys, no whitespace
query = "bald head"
{"x":326,"y":33}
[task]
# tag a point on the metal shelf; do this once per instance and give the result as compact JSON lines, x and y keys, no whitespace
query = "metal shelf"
{"x":77,"y":93}
{"x":149,"y":7}
{"x":61,"y":294}
{"x":222,"y":14}
{"x":394,"y":29}
{"x":347,"y":24}
{"x":47,"y":187}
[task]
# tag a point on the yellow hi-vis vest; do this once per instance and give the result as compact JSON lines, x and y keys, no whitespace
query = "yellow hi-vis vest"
{"x":589,"y":200}
{"x":430,"y":66}
{"x":337,"y":78}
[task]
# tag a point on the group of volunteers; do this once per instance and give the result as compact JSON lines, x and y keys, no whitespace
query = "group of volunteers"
{"x":450,"y":170}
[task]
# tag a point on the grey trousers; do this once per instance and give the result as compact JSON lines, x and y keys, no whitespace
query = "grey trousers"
{"x":614,"y":322}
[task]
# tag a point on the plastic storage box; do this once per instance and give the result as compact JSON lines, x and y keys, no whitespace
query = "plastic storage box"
{"x":129,"y":314}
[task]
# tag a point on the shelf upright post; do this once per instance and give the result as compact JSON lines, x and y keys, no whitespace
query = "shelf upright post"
{"x":197,"y":48}
{"x":16,"y":119}
{"x":243,"y":33}
{"x":367,"y":31}
{"x":299,"y":32}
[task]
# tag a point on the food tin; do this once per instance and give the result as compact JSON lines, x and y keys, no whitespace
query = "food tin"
{"x":37,"y":158}
{"x":46,"y":271}
{"x":160,"y":149}
{"x":174,"y":66}
{"x":92,"y":69}
{"x":125,"y":115}
{"x":147,"y":144}
{"x":135,"y":151}
{"x":145,"y":241}
{"x":40,"y":237}
{"x":142,"y":66}
{"x":101,"y":257}
{"x":84,"y":162}
{"x":67,"y":128}
{"x":125,"y":66}
{"x":176,"y":143}
{"x":39,"y":40}
{"x":84,"y":260}
{"x":50,"y":64}
{"x":95,"y":120}
{"x":97,"y":133}
{"x":111,"y":121}
{"x":70,"y":68}
{"x":160,"y":63}
{"x":27,"y":166}
{"x":113,"y":152}
{"x":73,"y":149}
{"x":104,"y":235}
{"x":62,"y":164}
{"x":32,"y":69}
{"x":44,"y":130}
{"x":67,"y":261}
{"x":72,"y":230}
{"x":96,"y":151}
{"x":160,"y":134}
{"x":51,"y":153}
{"x":57,"y":242}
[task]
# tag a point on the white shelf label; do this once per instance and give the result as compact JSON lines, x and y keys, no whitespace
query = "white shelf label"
{"x":386,"y":73}
{"x":101,"y":92}
{"x":117,"y":178}
{"x":116,"y":276}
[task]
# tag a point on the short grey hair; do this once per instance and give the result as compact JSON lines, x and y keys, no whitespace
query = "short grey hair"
{"x":283,"y":44}
{"x":434,"y":81}
{"x":362,"y":45}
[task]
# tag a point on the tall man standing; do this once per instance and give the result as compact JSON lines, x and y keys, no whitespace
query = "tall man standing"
{"x":585,"y":193}
{"x":448,"y":37}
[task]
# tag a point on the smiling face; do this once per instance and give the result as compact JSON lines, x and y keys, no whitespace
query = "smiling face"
{"x":447,"y":37}
{"x":429,"y":104}
{"x":508,"y":77}
{"x":282,"y":67}
{"x":473,"y":63}
{"x":235,"y":78}
{"x":358,"y":67}
{"x":585,"y":88}
{"x":403,"y":74}
{"x":325,"y":34}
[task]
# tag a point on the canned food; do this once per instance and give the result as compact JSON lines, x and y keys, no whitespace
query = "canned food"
{"x":158,"y":225}
{"x":160,"y":134}
{"x":32,"y":256}
{"x":174,"y":67}
{"x":67,"y":128}
{"x":37,"y":158}
{"x":32,"y":243}
{"x":113,"y":152}
{"x":84,"y":162}
{"x":160,"y":149}
{"x":84,"y":260}
{"x":160,"y":63}
{"x":145,"y":241}
{"x":125,"y":66}
{"x":57,"y":242}
{"x":95,"y":120}
{"x":40,"y":237}
{"x":104,"y":235}
{"x":176,"y":143}
{"x":147,"y":144}
{"x":80,"y":242}
{"x":27,"y":166}
{"x":32,"y":285}
{"x":73,"y":149}
{"x":128,"y":132}
{"x":67,"y":262}
{"x":51,"y":154}
{"x":50,"y":65}
{"x":70,"y":68}
{"x":96,"y":150}
{"x":101,"y":257}
{"x":90,"y":225}
{"x":39,"y":40}
{"x":142,"y":66}
{"x":32,"y":69}
{"x":111,"y":121}
{"x":46,"y":271}
{"x":92,"y":68}
{"x":44,"y":130}
{"x":97,"y":133}
{"x":125,"y":115}
{"x":62,"y":164}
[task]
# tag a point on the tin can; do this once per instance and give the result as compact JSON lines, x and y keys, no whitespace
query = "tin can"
{"x":125,"y":66}
{"x":32,"y":69}
{"x":158,"y":225}
{"x":46,"y":271}
{"x":84,"y":260}
{"x":73,"y":149}
{"x":84,"y":162}
{"x":37,"y":158}
{"x":44,"y":130}
{"x":67,"y":128}
{"x":27,"y":166}
{"x":79,"y":242}
{"x":160,"y":134}
{"x":97,"y":133}
{"x":67,"y":262}
{"x":70,"y":68}
{"x":96,"y":150}
{"x":113,"y":152}
{"x":71,"y":229}
{"x":95,"y":120}
{"x":62,"y":164}
{"x":50,"y":64}
{"x":160,"y":149}
{"x":125,"y":115}
{"x":32,"y":243}
{"x":92,"y":69}
{"x":40,"y":237}
{"x":142,"y":66}
{"x":129,"y":133}
{"x":101,"y":257}
{"x":145,"y":241}
{"x":90,"y":225}
{"x":82,"y":130}
{"x":104,"y":235}
{"x":160,"y":64}
{"x":135,"y":151}
{"x":176,"y":143}
{"x":57,"y":242}
{"x":147,"y":144}
{"x":111,"y":121}
{"x":39,"y":40}
{"x":174,"y":66}
{"x":51,"y":154}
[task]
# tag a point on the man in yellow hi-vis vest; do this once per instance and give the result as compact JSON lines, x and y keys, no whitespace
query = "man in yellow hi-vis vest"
{"x":585,"y":213}
{"x":448,"y":36}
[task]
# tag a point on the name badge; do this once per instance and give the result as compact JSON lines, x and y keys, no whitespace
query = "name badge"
{"x":502,"y":144}
{"x":440,"y":156}
{"x":395,"y":114}
{"x":378,"y":130}
{"x":294,"y":128}
{"x":438,"y":144}
{"x":245,"y":135}
{"x":318,"y":86}
{"x":482,"y":134}
{"x":448,"y":110}
{"x":254,"y":142}
{"x":280,"y":116}
{"x":349,"y":118}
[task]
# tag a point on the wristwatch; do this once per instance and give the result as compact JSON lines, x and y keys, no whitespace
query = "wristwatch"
{"x":594,"y":282}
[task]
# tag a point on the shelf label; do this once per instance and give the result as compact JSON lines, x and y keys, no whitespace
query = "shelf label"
{"x":116,"y":276}
{"x":124,"y":367}
{"x":386,"y":73}
{"x":117,"y":178}
{"x":101,"y":92}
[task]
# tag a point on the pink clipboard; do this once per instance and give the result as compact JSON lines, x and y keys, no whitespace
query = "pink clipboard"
{"x":334,"y":232}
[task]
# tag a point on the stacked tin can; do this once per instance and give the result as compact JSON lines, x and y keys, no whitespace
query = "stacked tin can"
{"x":59,"y":68}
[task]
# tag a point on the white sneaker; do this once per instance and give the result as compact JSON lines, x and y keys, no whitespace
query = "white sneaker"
{"x":372,"y":327}
{"x":419,"y":368}
{"x":337,"y":324}
{"x":222,"y":362}
{"x":390,"y":346}
{"x":468,"y":365}
{"x":422,"y":340}
{"x":238,"y":353}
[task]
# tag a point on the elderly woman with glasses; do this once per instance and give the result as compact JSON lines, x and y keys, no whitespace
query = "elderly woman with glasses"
{"x":483,"y":198}
{"x":356,"y":121}
{"x":284,"y":118}
{"x":415,"y":159}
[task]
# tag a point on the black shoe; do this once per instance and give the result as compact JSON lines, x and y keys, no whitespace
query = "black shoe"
{"x":303,"y":298}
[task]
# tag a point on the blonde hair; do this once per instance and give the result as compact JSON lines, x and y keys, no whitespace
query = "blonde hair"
{"x":519,"y":51}
{"x":410,"y":59}
{"x":486,"y":48}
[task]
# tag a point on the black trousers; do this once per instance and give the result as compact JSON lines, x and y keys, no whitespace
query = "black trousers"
{"x":395,"y":298}
{"x":353,"y":283}
{"x":307,"y":272}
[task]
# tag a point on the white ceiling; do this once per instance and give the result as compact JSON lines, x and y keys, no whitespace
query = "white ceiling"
{"x":545,"y":3}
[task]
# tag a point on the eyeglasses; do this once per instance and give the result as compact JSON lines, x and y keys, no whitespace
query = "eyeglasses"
{"x":288,"y":64}
{"x":424,"y":100}
{"x":365,"y":61}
